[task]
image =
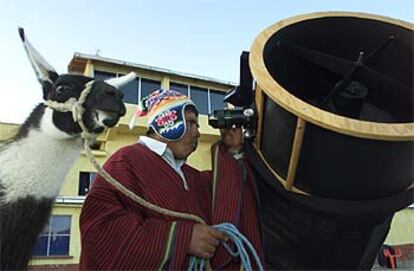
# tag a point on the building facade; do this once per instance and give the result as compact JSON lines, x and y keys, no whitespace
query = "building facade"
{"x":58,"y":245}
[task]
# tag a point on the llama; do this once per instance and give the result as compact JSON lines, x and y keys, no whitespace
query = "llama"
{"x":35,"y":162}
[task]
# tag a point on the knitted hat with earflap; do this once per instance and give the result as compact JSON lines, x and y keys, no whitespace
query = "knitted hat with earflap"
{"x":165,"y":110}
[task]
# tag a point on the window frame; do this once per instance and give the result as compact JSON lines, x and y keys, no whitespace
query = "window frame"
{"x":209,"y":91}
{"x":138,"y":78}
{"x":210,"y":100}
{"x":140,"y":86}
{"x":187,"y":86}
{"x":50,"y":234}
{"x":92,"y":175}
{"x":200,"y":91}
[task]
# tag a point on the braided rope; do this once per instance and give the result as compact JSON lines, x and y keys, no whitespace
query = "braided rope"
{"x":134,"y":196}
{"x":61,"y":107}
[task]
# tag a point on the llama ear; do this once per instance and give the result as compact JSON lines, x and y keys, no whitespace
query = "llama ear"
{"x":121,"y":81}
{"x":47,"y":88}
{"x":44,"y":71}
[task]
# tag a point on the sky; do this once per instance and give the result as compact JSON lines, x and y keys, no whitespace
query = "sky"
{"x":202,"y":37}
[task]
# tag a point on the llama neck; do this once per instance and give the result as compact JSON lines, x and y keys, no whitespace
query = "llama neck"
{"x":37,"y":164}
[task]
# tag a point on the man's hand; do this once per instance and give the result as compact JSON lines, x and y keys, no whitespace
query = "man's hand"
{"x":204,"y":241}
{"x":232,"y":138}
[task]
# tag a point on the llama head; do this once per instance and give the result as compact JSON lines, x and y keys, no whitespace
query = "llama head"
{"x":102,"y":107}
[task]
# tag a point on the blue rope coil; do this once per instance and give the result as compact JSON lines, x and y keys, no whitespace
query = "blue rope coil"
{"x":197,"y":264}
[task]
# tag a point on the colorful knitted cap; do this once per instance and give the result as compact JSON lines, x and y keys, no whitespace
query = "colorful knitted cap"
{"x":165,"y":109}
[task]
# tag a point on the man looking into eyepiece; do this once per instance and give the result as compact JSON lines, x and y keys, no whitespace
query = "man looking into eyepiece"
{"x":118,"y":233}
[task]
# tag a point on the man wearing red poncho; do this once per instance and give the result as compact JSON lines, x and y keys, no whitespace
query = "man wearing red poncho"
{"x":118,"y":233}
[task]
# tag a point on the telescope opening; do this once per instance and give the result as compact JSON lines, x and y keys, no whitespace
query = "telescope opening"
{"x":352,"y":67}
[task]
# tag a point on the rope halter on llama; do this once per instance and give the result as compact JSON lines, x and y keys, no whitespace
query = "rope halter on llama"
{"x":76,"y":107}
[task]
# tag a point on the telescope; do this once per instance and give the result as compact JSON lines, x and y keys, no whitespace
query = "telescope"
{"x":332,"y":153}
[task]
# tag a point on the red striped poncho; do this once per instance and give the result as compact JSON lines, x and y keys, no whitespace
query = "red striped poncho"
{"x":117,"y":233}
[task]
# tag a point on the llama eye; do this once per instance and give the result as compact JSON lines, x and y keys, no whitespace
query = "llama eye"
{"x":62,"y":88}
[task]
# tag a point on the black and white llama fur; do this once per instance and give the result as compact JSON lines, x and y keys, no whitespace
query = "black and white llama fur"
{"x":33,"y":165}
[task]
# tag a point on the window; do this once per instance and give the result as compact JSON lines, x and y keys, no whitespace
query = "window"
{"x":54,"y":238}
{"x":216,"y":100}
{"x":85,"y":182}
{"x":130,"y":91}
{"x":206,"y":100}
{"x":148,"y":86}
{"x":180,"y":88}
{"x":98,"y":145}
{"x":200,"y":97}
{"x":103,"y":75}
